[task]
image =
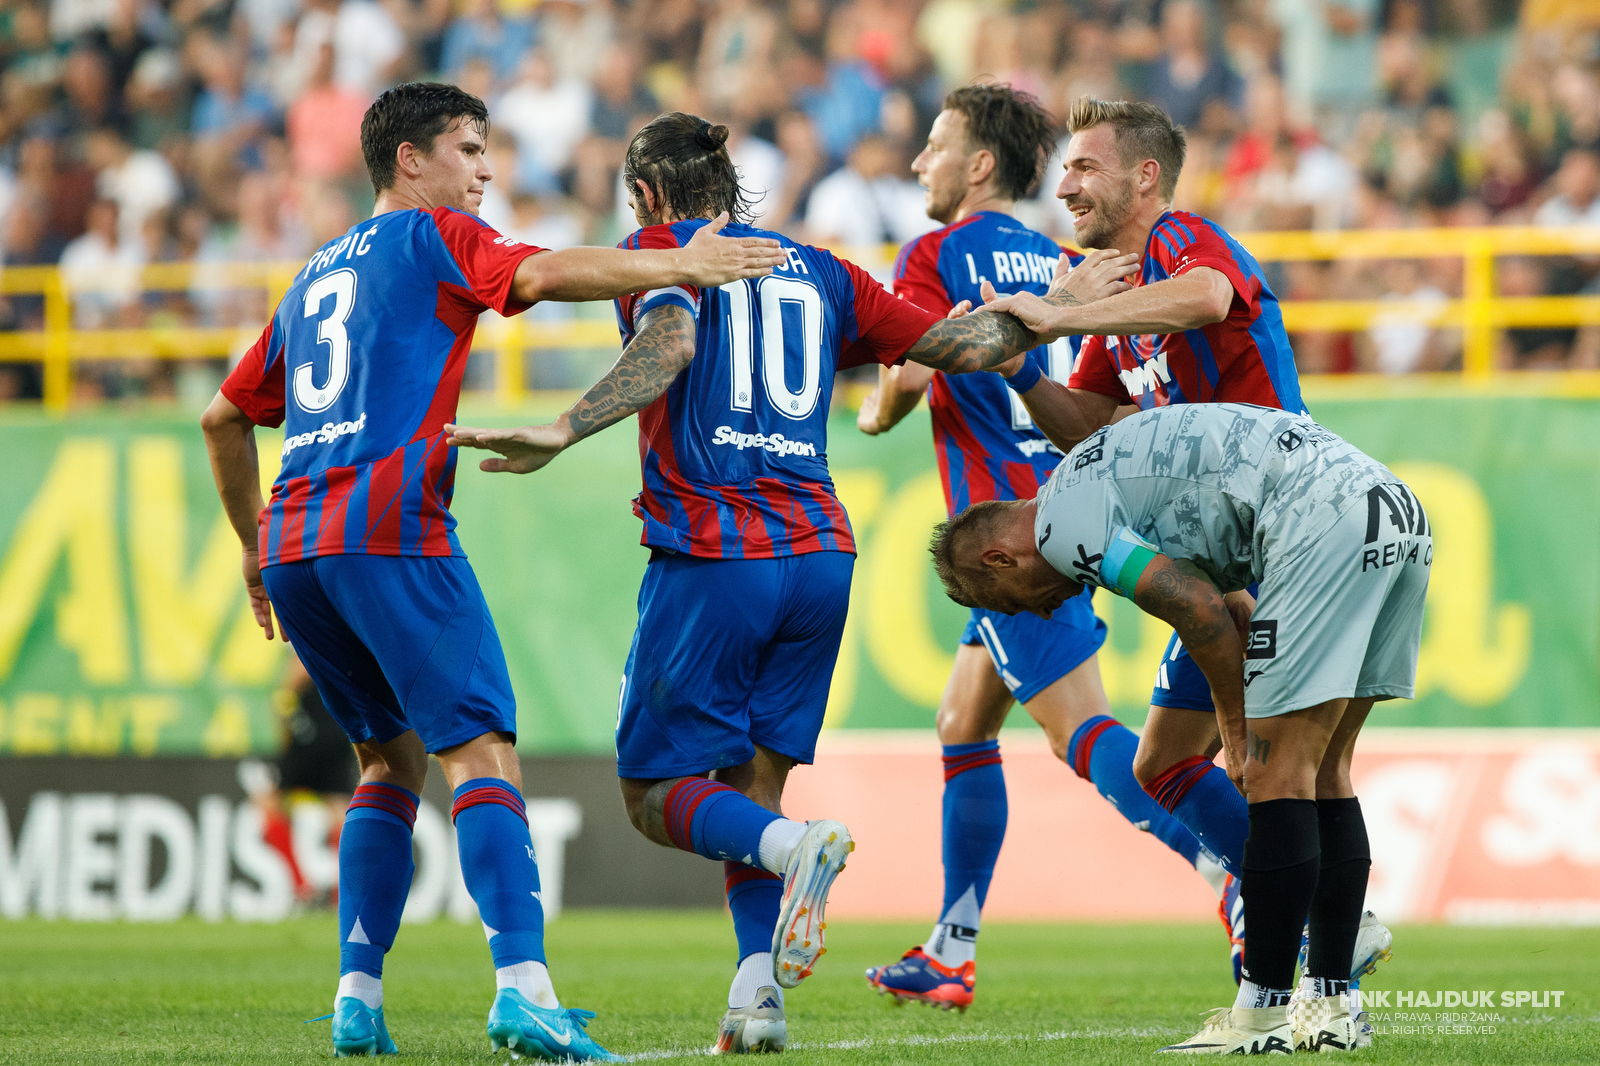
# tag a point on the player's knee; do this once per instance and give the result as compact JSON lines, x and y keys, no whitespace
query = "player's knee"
{"x":958,"y":724}
{"x":1147,"y":765}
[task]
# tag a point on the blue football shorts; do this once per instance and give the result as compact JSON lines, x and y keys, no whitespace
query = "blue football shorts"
{"x":728,"y":654}
{"x":1179,"y":682}
{"x":396,"y":643}
{"x":1031,"y":653}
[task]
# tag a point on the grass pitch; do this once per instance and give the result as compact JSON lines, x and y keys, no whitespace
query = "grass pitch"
{"x":237,"y":994}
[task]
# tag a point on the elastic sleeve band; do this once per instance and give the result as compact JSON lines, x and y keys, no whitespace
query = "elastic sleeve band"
{"x":1026,"y":378}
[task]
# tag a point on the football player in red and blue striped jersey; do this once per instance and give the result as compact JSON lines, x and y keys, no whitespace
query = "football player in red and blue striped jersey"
{"x":743,"y":603}
{"x":356,"y":551}
{"x":1200,"y":325}
{"x":987,"y":149}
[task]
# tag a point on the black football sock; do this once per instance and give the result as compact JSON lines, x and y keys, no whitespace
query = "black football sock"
{"x":1280,"y":877}
{"x":1341,"y":893}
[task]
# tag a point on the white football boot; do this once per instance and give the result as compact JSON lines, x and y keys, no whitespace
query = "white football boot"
{"x":756,"y":1029}
{"x":1241,"y":1031}
{"x":797,"y":942}
{"x":1373,"y":941}
{"x":1322,"y":1023}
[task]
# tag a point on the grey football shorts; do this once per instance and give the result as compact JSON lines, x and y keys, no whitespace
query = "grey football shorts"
{"x":1343,"y":618}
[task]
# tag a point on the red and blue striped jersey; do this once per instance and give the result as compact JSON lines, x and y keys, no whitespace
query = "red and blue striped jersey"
{"x":1245,"y":358}
{"x":984,"y":438}
{"x":361,"y":364}
{"x":734,"y":453}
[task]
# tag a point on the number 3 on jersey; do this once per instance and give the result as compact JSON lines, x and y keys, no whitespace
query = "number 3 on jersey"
{"x":768,"y":298}
{"x":341,"y":285}
{"x":1059,"y":368}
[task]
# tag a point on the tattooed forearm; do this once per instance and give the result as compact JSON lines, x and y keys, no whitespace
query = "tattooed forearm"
{"x":658,"y":353}
{"x":975,"y":342}
{"x":1187,"y":602}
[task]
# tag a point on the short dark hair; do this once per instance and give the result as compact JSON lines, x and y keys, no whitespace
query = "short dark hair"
{"x":979,"y":520}
{"x":417,"y":112}
{"x":1144,"y":131}
{"x":1014,"y":126}
{"x":684,"y":160}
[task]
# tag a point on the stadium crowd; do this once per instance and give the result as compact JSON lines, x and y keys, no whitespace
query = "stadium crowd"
{"x":149,"y":131}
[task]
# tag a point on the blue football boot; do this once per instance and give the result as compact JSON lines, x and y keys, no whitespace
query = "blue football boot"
{"x":556,"y":1034}
{"x":359,"y":1030}
{"x":918,"y":978}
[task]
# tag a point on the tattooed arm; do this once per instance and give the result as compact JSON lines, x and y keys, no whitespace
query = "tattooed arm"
{"x":1180,"y":594}
{"x":650,"y":363}
{"x":974,"y":342}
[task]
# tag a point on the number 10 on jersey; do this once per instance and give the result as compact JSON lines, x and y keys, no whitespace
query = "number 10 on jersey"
{"x":759,"y":304}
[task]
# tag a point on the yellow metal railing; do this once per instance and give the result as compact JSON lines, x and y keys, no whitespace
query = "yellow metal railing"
{"x":1478,"y":313}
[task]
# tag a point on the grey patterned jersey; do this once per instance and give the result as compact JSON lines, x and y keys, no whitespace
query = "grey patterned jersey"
{"x":1236,"y":489}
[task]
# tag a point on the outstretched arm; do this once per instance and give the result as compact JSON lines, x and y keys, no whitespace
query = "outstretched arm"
{"x":1193,"y":299}
{"x":708,"y":260}
{"x":658,"y":353}
{"x":971,"y":343}
{"x":1180,"y":594}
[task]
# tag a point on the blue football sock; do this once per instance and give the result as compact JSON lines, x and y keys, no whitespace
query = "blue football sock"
{"x":1198,"y":793}
{"x":375,"y":868}
{"x":974,"y":827}
{"x":754,"y":896}
{"x":1101,"y":752}
{"x":498,"y":866}
{"x":716,"y":820}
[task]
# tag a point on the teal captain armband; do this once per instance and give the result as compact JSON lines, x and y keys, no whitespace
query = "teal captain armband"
{"x":1126,"y":558}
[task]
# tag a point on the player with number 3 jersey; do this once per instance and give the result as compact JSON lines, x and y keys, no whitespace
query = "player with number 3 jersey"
{"x":743,"y":602}
{"x":356,"y":550}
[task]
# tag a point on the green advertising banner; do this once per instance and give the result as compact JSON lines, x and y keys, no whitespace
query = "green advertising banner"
{"x":123,"y":627}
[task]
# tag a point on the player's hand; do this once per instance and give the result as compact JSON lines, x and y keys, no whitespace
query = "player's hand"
{"x":713,"y":260}
{"x":1102,"y":273}
{"x":1240,"y":606}
{"x":1033,"y":312}
{"x":260,"y":604}
{"x":959,"y":310}
{"x":867,"y":417}
{"x":1010,"y":366}
{"x":1233,"y":763}
{"x":523,"y":449}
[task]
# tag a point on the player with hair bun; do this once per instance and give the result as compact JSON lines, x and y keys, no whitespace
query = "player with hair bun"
{"x":743,"y":603}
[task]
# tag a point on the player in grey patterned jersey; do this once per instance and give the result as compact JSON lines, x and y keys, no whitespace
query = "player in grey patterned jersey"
{"x":1173,"y":508}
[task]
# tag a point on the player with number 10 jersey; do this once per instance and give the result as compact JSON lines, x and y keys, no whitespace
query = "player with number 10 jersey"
{"x":743,"y":603}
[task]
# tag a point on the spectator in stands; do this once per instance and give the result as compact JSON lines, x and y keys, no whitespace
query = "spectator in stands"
{"x":100,"y":270}
{"x":139,"y":181}
{"x":1190,"y":73}
{"x":1577,"y":191}
{"x":547,"y":116}
{"x":482,"y":32}
{"x":323,"y":125}
{"x":868,"y":201}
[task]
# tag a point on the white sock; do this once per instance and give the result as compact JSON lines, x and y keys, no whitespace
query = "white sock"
{"x":1206,"y":865}
{"x":532,"y":979}
{"x":952,"y":945}
{"x":363,"y":986}
{"x":1254,"y":995}
{"x":778,"y":842}
{"x":755,"y":973}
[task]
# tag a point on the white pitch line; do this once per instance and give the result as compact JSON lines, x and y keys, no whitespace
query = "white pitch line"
{"x":922,"y":1040}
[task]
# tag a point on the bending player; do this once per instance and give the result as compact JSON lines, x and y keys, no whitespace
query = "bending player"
{"x":987,"y":148}
{"x":1174,"y":508}
{"x":357,"y":552}
{"x":724,"y":692}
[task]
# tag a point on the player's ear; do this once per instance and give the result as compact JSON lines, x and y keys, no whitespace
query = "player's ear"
{"x":997,"y":559}
{"x":980,"y":166}
{"x":1149,"y":175}
{"x":647,"y":196}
